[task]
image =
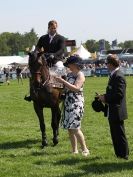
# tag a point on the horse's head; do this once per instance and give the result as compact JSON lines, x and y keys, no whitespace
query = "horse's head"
{"x":38,"y":67}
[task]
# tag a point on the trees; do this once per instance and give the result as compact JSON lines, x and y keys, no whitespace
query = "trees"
{"x":126,"y":44}
{"x":91,"y":45}
{"x":94,"y":46}
{"x":4,"y":48}
{"x":13,"y":43}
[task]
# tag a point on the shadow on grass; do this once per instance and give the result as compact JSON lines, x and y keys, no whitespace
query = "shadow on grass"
{"x":75,"y":160}
{"x":91,"y":168}
{"x":102,"y":168}
{"x":18,"y":144}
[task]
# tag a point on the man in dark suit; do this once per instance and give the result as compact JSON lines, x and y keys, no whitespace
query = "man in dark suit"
{"x":52,"y":43}
{"x":115,"y":104}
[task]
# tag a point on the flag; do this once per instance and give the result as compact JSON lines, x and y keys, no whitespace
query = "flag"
{"x":101,"y":44}
{"x":114,"y":43}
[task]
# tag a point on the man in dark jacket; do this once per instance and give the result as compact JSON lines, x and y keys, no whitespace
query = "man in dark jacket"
{"x":116,"y":110}
{"x":52,"y":43}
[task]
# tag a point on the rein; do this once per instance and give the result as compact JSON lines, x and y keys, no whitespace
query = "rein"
{"x":46,"y":80}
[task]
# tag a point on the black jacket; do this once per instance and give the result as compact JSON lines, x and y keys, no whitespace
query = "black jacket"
{"x":115,"y":97}
{"x":56,"y":47}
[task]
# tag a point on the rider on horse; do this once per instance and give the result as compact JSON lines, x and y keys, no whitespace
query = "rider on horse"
{"x":53,"y":45}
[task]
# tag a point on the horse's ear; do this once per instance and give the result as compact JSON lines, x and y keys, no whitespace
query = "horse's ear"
{"x":27,"y":49}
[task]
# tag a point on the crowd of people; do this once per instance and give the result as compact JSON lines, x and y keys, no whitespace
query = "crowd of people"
{"x":12,"y":72}
{"x":15,"y":72}
{"x":102,"y":64}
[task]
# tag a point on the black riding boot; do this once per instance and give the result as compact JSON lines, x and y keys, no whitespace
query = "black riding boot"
{"x":27,"y":98}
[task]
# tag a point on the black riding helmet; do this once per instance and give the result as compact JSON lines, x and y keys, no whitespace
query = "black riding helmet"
{"x":74,"y":60}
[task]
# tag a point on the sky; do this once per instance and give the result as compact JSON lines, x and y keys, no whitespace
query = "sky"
{"x":81,"y":20}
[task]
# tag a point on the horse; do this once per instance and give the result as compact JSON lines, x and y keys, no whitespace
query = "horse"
{"x":43,"y":94}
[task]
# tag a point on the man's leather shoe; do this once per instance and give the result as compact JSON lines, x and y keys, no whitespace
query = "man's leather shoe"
{"x":125,"y":157}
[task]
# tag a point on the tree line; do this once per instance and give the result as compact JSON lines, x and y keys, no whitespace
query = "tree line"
{"x":14,"y":43}
{"x":94,"y":46}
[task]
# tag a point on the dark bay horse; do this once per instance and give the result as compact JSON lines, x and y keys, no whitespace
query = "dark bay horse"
{"x":44,"y":94}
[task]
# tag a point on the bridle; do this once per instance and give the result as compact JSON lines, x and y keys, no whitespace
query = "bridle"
{"x":38,"y":75}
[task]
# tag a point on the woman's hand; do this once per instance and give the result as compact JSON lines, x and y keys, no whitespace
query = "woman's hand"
{"x":59,"y":79}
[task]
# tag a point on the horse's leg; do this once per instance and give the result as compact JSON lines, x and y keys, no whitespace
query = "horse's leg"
{"x":39,"y":112}
{"x":56,"y":115}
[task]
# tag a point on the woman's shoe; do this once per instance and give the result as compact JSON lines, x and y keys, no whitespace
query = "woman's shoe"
{"x":86,"y":153}
{"x":75,"y":152}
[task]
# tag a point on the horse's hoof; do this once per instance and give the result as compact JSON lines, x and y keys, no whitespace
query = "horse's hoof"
{"x":27,"y":98}
{"x":42,"y":146}
{"x":55,"y":141}
{"x":44,"y":143}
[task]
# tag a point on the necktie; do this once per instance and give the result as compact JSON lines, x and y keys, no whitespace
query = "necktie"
{"x":51,"y":38}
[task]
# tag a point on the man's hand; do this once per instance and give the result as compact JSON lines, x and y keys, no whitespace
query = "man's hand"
{"x":50,"y":60}
{"x":101,"y":97}
{"x":59,"y":79}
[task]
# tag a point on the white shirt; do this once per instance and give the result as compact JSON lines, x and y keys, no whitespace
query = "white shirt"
{"x":51,"y":37}
{"x":112,"y":72}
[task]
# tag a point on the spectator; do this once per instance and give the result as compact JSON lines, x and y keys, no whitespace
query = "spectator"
{"x":116,"y":110}
{"x":6,"y":72}
{"x":19,"y":74}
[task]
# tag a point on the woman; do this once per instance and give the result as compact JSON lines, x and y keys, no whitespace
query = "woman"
{"x":74,"y":103}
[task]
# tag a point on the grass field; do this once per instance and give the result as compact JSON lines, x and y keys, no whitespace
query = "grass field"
{"x":20,"y":139}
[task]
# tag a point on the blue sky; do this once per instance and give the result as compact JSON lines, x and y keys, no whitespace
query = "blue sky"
{"x":77,"y":19}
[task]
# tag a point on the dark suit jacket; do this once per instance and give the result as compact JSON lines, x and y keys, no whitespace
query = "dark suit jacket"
{"x":116,"y":97}
{"x":56,"y":47}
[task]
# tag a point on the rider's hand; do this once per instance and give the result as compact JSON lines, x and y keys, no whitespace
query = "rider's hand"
{"x":50,"y":59}
{"x":51,"y":56}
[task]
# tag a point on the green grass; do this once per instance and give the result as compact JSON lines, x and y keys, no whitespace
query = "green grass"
{"x":20,"y":138}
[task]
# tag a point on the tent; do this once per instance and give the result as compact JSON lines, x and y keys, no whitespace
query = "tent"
{"x":7,"y":60}
{"x":82,"y":52}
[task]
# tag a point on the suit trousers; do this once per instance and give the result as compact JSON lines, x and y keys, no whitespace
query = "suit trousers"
{"x":119,"y":139}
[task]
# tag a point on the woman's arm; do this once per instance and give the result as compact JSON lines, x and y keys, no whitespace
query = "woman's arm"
{"x":76,"y":86}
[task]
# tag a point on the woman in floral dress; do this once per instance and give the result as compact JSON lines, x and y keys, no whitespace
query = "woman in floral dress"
{"x":74,"y":104}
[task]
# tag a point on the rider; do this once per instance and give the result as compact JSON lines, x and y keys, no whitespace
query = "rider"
{"x":53,"y":45}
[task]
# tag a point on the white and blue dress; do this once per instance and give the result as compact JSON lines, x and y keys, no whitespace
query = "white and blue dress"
{"x":73,"y":106}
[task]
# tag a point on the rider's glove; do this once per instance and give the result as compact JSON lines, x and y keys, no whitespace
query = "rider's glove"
{"x":51,"y":56}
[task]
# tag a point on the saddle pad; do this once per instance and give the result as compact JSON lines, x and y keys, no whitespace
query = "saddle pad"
{"x":54,"y":83}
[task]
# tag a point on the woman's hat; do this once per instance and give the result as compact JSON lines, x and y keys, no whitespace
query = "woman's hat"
{"x":97,"y":105}
{"x":74,"y":60}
